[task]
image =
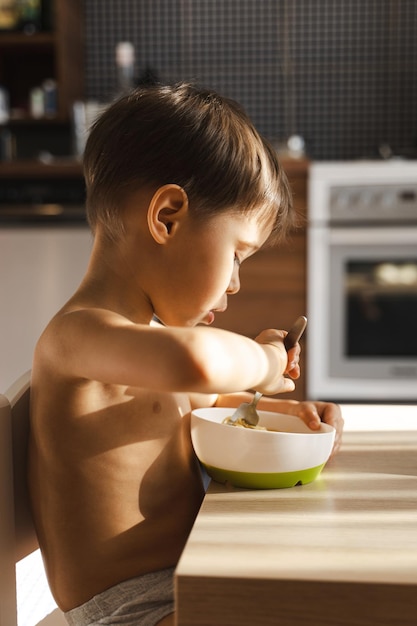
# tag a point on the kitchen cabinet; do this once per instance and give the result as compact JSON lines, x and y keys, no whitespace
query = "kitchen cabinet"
{"x":40,"y":267}
{"x":35,"y":193}
{"x":273,"y":281}
{"x":42,"y":74}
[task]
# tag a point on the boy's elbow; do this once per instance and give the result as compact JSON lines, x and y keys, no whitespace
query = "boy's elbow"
{"x":209,"y":365}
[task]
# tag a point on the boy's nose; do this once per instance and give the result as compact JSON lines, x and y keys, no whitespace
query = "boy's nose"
{"x":234,"y":284}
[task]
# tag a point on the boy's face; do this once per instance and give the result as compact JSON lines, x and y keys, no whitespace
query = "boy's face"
{"x":203,"y":267}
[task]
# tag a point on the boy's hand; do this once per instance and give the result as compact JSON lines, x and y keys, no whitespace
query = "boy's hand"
{"x":312,"y":414}
{"x":288,"y":363}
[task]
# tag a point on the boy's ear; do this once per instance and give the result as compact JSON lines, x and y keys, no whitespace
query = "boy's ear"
{"x":167,"y":208}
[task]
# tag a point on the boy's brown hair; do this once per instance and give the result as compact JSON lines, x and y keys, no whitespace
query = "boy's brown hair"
{"x":185,"y":135}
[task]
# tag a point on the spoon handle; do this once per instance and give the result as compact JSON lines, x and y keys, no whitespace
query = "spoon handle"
{"x":295,"y":332}
{"x":256,"y":399}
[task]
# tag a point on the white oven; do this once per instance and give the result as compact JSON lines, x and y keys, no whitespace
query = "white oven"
{"x":362,"y":281}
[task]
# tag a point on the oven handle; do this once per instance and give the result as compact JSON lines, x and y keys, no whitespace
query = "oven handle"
{"x":369,"y":236}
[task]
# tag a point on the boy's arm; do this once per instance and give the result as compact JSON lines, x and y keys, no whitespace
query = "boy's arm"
{"x":312,"y":413}
{"x":95,"y":344}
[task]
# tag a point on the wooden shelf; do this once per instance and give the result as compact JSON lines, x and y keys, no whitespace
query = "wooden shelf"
{"x":59,"y":168}
{"x":27,"y":60}
{"x":27,"y":120}
{"x":22,"y":40}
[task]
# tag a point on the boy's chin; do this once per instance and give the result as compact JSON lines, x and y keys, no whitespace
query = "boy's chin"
{"x":205,"y":320}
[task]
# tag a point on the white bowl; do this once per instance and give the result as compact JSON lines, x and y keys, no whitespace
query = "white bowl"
{"x":285,"y":455}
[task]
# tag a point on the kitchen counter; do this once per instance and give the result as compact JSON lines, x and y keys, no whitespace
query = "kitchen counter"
{"x":339,"y":551}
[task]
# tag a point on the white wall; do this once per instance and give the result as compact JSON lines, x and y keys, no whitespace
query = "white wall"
{"x":40,"y":267}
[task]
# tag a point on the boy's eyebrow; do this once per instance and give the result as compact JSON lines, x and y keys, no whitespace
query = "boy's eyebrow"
{"x":249,"y":246}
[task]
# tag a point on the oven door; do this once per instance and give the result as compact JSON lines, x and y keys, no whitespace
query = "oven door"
{"x":362,"y":339}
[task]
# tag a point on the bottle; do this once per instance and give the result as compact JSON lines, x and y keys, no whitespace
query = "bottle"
{"x":125,"y":59}
{"x":37,"y":102}
{"x":30,"y":13}
{"x":9,"y":15}
{"x":4,"y":105}
{"x":49,"y":88}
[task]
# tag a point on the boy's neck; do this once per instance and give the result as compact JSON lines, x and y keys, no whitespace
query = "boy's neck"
{"x":110,"y":283}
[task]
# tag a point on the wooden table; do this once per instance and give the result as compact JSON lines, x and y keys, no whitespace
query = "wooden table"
{"x":340,"y":551}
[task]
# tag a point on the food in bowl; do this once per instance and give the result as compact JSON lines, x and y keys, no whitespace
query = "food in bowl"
{"x":285,"y":454}
{"x":241,"y":423}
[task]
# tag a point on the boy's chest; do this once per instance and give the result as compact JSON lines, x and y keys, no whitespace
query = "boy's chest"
{"x":113,"y":417}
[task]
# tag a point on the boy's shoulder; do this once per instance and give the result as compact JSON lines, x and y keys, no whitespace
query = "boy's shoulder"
{"x":74,"y":326}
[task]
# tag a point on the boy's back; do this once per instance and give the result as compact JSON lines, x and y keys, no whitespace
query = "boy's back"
{"x":108,"y":468}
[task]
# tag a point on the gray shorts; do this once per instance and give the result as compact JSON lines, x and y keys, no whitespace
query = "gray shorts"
{"x":140,"y":601}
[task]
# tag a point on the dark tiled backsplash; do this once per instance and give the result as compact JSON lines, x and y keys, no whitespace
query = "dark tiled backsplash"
{"x":341,"y":73}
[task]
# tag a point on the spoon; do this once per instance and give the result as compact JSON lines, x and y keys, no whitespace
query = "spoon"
{"x":247,"y":410}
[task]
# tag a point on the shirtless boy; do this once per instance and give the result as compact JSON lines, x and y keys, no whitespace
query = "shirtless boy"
{"x":181,"y":189}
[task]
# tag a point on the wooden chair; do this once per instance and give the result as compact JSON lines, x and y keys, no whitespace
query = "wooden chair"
{"x":17,"y":533}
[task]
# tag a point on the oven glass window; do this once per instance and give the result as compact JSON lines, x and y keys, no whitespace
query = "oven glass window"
{"x":381,"y":308}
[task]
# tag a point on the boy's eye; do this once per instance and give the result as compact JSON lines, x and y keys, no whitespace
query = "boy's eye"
{"x":237,"y":261}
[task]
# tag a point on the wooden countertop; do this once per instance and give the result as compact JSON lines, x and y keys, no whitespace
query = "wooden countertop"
{"x":337,"y":552}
